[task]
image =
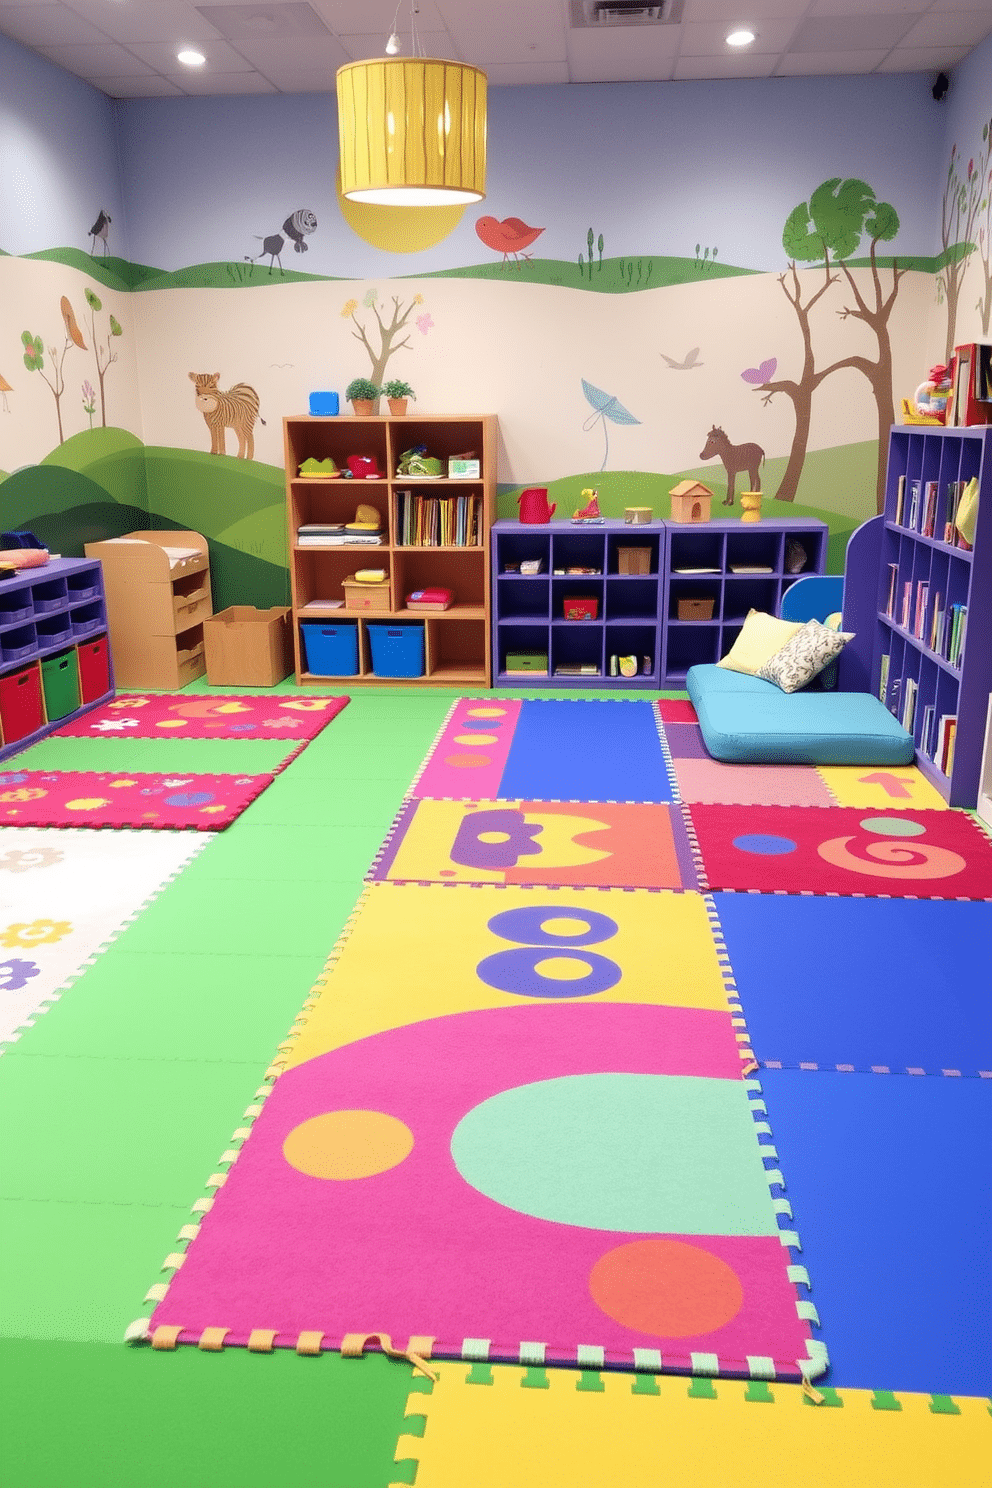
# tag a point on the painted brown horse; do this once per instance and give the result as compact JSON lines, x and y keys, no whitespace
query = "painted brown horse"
{"x":736,"y":458}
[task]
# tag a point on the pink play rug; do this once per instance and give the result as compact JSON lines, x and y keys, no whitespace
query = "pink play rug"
{"x":199,"y":716}
{"x":89,"y":798}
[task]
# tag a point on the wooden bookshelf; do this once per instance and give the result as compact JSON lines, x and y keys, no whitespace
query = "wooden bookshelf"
{"x":456,"y":640}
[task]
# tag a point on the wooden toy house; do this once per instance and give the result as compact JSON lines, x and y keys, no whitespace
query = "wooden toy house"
{"x":691,"y":501}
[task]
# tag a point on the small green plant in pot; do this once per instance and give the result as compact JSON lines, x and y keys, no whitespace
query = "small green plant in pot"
{"x":363,"y":394}
{"x":397,"y":393}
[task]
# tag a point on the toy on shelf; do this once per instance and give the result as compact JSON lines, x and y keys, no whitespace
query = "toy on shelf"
{"x":417,"y":462}
{"x":590,"y":512}
{"x":324,"y":404}
{"x":928,"y":404}
{"x":750,"y":506}
{"x":534,"y":505}
{"x":319,"y":470}
{"x":364,"y":467}
{"x":429,"y":599}
{"x":691,"y":501}
{"x":637,"y":516}
{"x":367,"y":520}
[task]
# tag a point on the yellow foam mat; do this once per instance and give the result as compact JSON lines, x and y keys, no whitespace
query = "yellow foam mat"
{"x":892,"y":787}
{"x":505,"y":1435}
{"x":413,"y":950}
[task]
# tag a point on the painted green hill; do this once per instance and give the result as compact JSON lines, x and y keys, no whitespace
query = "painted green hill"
{"x":112,"y":273}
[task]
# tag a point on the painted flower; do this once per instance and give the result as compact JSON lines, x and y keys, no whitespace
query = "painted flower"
{"x":26,"y":934}
{"x":19,"y":860}
{"x":370,"y":298}
{"x":15,"y":974}
{"x":424,"y":322}
{"x":418,"y":299}
{"x":34,"y":351}
{"x":130,"y":703}
{"x":350,"y":307}
{"x":175,"y":784}
{"x":109,"y":725}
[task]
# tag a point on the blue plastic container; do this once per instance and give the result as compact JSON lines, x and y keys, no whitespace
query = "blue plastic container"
{"x":324,"y":403}
{"x":397,"y":650}
{"x":331,"y":650}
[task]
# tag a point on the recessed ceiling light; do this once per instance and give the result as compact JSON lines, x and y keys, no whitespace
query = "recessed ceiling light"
{"x":190,"y":58}
{"x":740,"y":38}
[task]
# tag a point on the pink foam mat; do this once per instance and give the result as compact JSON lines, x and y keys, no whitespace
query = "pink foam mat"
{"x":200,"y":716}
{"x":90,"y":798}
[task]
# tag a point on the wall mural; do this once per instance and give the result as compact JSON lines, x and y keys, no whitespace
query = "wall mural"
{"x":784,"y":355}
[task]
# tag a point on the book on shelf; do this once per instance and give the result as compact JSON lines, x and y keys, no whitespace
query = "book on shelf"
{"x":900,"y":500}
{"x":936,"y":624}
{"x":967,"y":405}
{"x":339,"y":540}
{"x":926,"y":730}
{"x":751,"y":568}
{"x":323,"y":604}
{"x":892,"y":701}
{"x":438,"y":521}
{"x":956,"y":634}
{"x":943,"y":756}
{"x":883,"y":676}
{"x":907,"y":597}
{"x":928,"y":521}
{"x":920,"y":613}
{"x":909,"y":694}
{"x":577,"y":669}
{"x":915,"y":491}
{"x":890,"y":603}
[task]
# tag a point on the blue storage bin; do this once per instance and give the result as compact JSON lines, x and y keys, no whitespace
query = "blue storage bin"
{"x":397,"y":650}
{"x":330,"y":650}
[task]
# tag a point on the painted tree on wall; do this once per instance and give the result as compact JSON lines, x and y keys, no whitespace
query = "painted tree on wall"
{"x":105,"y":356}
{"x":386,"y":331}
{"x":34,"y":357}
{"x":984,"y":305}
{"x":959,"y":211}
{"x":830,"y":227}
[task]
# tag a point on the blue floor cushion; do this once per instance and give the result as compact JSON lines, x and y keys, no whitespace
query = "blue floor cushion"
{"x":746,"y":720}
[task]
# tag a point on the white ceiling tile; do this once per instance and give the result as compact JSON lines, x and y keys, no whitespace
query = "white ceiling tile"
{"x":359,"y":17}
{"x":137,"y":87}
{"x":313,"y":54}
{"x":746,"y":11}
{"x":741,"y":65}
{"x":709,"y":38}
{"x":161,"y":55}
{"x":828,"y":64}
{"x":203,"y":84}
{"x":494,"y":46}
{"x":948,"y":29}
{"x":875,"y":7}
{"x":505,"y":74}
{"x":108,"y":60}
{"x":850,"y":33}
{"x":161,"y":21}
{"x":360,"y":45}
{"x":621,"y":55}
{"x":53,"y":25}
{"x":923,"y":59}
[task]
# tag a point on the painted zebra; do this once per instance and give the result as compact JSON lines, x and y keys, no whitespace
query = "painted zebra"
{"x":295,"y":228}
{"x":235,"y":409}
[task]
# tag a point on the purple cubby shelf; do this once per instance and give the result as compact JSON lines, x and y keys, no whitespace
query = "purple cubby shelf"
{"x":62,"y":602}
{"x":726,"y":567}
{"x":911,"y":588}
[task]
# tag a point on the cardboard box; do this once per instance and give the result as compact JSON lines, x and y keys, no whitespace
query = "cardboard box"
{"x":246,"y":647}
{"x":695,"y":609}
{"x":634,"y":560}
{"x":366,"y":596}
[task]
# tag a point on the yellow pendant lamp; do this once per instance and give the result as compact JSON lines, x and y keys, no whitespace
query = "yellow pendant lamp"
{"x":412,"y":132}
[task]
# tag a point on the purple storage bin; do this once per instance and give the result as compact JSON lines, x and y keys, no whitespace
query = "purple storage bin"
{"x":16,"y":644}
{"x":86,"y":619}
{"x":14,"y":607}
{"x":50,"y":597}
{"x":54,"y":631}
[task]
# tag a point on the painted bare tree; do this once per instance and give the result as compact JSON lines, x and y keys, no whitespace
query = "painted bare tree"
{"x":34,"y":357}
{"x":984,"y":305}
{"x":393,"y":334}
{"x":959,"y":211}
{"x":830,"y":227}
{"x":105,"y":356}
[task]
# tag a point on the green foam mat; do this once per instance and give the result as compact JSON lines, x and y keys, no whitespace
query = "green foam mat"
{"x":140,"y":1419}
{"x":178,"y":756}
{"x":266,"y":851}
{"x":160,"y":1005}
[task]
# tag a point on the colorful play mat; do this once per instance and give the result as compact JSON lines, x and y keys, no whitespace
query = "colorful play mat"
{"x":524,"y":1115}
{"x":88,"y":798}
{"x":201,"y":716}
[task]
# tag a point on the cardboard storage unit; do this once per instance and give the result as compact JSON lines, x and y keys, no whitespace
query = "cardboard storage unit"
{"x":158,"y":595}
{"x":246,"y":647}
{"x":634,"y":560}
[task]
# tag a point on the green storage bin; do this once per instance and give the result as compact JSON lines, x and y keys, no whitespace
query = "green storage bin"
{"x":60,"y":682}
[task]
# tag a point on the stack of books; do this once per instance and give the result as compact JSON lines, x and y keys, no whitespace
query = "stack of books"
{"x":438,"y":521}
{"x":334,"y":535}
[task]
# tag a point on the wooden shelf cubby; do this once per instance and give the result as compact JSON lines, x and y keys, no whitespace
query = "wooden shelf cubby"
{"x":456,"y":640}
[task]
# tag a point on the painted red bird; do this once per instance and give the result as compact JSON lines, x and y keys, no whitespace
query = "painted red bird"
{"x":509,"y":237}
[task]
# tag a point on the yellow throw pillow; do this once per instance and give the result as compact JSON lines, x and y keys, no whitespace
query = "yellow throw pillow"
{"x":762,"y":635}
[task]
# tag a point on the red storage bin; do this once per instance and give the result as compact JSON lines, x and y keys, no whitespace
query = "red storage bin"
{"x":21,"y":710}
{"x":94,"y":669}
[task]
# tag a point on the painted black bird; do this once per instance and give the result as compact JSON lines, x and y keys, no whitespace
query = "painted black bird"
{"x":99,"y":230}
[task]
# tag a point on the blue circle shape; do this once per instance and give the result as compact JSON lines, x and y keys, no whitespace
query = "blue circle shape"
{"x":515,"y":970}
{"x":764,"y":844}
{"x":190,"y":798}
{"x":526,"y":925}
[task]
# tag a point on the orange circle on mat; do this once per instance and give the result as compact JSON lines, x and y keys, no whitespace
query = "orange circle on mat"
{"x":665,"y":1287}
{"x":476,"y":740}
{"x":348,"y":1144}
{"x":467,"y":761}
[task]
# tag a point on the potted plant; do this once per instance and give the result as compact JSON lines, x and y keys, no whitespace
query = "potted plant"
{"x":362,"y":393}
{"x":397,"y":394}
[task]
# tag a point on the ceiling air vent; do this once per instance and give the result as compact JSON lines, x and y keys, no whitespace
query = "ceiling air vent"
{"x":593,"y":14}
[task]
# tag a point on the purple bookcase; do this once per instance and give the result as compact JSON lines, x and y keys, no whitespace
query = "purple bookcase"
{"x":638,"y":614}
{"x":890,"y":562}
{"x":54,"y":649}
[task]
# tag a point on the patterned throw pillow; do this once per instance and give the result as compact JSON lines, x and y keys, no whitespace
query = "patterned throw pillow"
{"x":804,"y":656}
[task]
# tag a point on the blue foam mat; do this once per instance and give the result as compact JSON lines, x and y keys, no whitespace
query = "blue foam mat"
{"x":585,"y":750}
{"x":900,"y":983}
{"x":888,"y":1180}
